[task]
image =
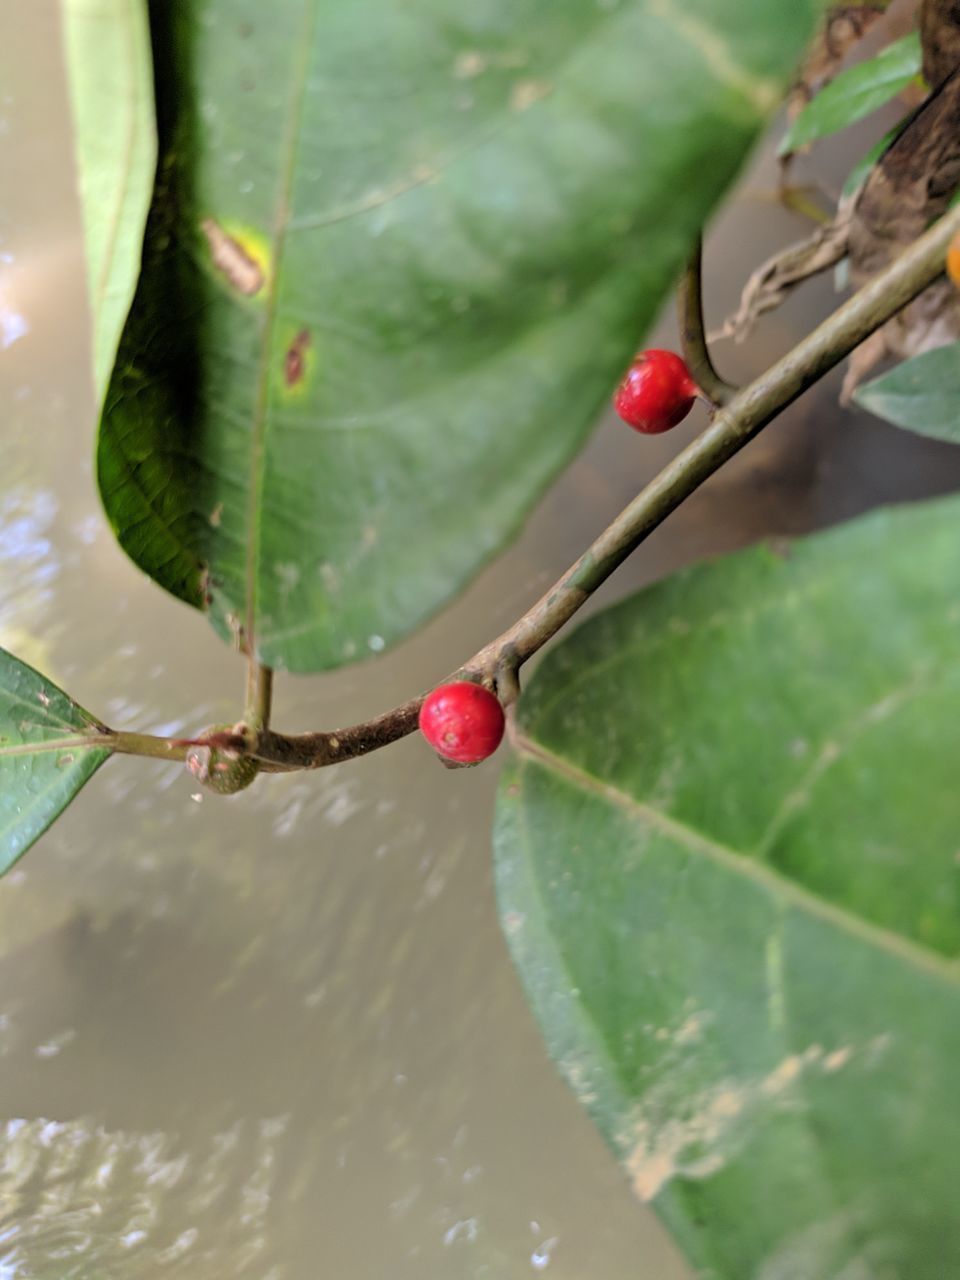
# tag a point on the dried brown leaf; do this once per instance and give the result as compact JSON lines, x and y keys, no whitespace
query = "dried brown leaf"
{"x":771,"y":283}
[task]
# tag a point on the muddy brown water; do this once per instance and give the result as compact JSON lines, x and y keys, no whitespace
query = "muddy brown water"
{"x":280,"y":1037}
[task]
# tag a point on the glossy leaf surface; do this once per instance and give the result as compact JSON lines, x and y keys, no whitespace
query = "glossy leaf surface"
{"x":398,"y":256}
{"x":47,"y":752}
{"x":727,"y":864}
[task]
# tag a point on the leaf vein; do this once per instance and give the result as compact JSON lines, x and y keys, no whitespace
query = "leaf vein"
{"x":764,"y":877}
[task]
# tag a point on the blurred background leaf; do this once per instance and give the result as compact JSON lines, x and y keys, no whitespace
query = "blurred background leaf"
{"x":856,"y":93}
{"x":107,"y":52}
{"x":921,"y":394}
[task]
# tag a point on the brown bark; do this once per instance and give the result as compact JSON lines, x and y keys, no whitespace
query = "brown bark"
{"x":911,"y":186}
{"x":940,"y":37}
{"x":842,"y":27}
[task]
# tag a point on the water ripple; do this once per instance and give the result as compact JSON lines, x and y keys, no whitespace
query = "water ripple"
{"x":78,"y":1200}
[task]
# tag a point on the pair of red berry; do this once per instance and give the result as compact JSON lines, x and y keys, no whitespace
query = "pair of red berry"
{"x":464,"y":722}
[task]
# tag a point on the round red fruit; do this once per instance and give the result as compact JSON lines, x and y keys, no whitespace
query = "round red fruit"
{"x":462,"y":721}
{"x":656,"y":393}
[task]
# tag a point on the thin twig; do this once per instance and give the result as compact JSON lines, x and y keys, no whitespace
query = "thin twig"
{"x":314,"y":750}
{"x":750,"y":410}
{"x":693,"y":337}
{"x":732,"y":427}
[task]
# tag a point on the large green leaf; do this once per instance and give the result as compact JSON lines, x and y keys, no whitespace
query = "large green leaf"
{"x":921,"y":394}
{"x":856,"y":92}
{"x":397,"y":257}
{"x":727,"y":858}
{"x":48,"y":750}
{"x":107,"y":51}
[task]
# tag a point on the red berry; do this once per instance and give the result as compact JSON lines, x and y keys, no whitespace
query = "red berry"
{"x":657,"y":392}
{"x":462,"y":721}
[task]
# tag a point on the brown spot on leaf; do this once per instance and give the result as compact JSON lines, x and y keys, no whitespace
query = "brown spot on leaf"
{"x":468,"y":64}
{"x":782,"y":548}
{"x":232,"y":260}
{"x":294,"y":362}
{"x":839,"y":1058}
{"x":526,"y":92}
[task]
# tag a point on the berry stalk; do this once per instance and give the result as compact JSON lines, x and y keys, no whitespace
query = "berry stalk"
{"x":693,"y":334}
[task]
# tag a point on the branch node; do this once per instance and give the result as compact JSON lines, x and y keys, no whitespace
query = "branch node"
{"x":506,"y":676}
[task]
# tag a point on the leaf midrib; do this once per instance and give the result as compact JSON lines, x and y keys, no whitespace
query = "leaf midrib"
{"x":46,"y":745}
{"x":730,"y":860}
{"x":281,"y":226}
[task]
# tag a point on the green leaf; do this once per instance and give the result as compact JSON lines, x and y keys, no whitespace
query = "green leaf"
{"x":397,"y":258}
{"x":727,"y":862}
{"x":921,"y":394}
{"x":861,"y":169}
{"x":107,"y":51}
{"x":856,"y":93}
{"x":48,"y":750}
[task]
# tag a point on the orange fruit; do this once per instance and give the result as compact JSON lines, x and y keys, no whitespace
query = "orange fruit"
{"x":953,"y":260}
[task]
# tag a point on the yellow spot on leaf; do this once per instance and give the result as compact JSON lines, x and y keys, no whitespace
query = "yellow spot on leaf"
{"x":526,"y":92}
{"x":677,"y":1132}
{"x":839,"y":1058}
{"x":240,"y":255}
{"x":468,"y":64}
